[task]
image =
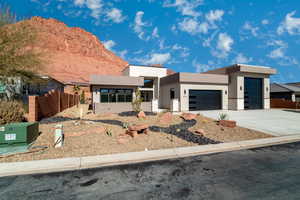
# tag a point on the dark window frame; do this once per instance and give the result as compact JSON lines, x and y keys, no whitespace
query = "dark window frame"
{"x":116,"y":95}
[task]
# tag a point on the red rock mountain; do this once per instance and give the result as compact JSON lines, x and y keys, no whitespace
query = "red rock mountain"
{"x":73,"y":54}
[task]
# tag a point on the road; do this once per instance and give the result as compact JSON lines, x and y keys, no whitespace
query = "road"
{"x":264,"y":173}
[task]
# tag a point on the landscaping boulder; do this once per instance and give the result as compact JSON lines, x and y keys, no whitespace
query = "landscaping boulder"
{"x":166,"y":118}
{"x":141,"y":115}
{"x":227,"y":123}
{"x":188,"y":116}
{"x":136,"y":129}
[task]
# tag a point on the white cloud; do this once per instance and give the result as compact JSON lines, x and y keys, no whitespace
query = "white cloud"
{"x":184,"y":51}
{"x":189,"y":25}
{"x":192,"y":26}
{"x":265,"y":22}
{"x":139,"y":25}
{"x":277,"y":53}
{"x":247,"y":26}
{"x":290,"y":24}
{"x":185,"y":7}
{"x":109,"y":44}
{"x":214,"y":15}
{"x":157,"y":58}
{"x":115,"y":15}
{"x":200,"y":67}
{"x":241,"y":59}
{"x":79,"y":2}
{"x":224,"y":42}
{"x":223,"y":46}
{"x":155,"y":33}
{"x":94,"y":5}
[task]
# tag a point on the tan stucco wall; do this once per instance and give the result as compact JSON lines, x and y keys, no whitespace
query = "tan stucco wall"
{"x":164,"y":100}
{"x":184,"y":98}
{"x":236,"y":90}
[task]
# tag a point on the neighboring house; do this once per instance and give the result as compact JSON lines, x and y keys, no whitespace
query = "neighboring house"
{"x":288,"y":91}
{"x":235,"y":87}
{"x":40,"y":88}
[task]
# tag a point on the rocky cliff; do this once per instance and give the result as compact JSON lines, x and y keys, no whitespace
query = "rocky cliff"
{"x":73,"y":54}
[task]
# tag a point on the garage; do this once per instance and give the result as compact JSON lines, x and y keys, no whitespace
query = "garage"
{"x":253,"y":93}
{"x":205,"y":100}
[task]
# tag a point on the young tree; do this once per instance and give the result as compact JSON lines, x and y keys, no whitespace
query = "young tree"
{"x":137,"y":101}
{"x":17,"y":57}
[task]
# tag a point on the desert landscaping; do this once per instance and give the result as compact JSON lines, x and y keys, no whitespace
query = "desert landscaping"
{"x":110,"y":133}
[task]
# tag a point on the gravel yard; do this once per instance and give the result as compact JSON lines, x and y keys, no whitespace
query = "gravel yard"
{"x":89,"y":136}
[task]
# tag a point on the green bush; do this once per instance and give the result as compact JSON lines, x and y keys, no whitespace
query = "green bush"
{"x":223,"y":116}
{"x":137,"y":102}
{"x":11,"y":111}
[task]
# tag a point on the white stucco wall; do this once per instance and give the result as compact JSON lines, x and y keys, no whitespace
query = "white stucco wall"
{"x":145,"y":71}
{"x":184,"y":91}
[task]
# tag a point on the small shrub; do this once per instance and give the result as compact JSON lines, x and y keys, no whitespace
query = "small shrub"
{"x":223,"y":116}
{"x":109,"y":132}
{"x":125,"y":125}
{"x":11,"y":111}
{"x":137,"y":102}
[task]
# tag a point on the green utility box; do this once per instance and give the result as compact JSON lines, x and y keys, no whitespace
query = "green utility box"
{"x":18,"y":133}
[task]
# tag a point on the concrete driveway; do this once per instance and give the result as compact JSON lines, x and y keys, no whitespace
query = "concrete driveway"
{"x":274,"y":121}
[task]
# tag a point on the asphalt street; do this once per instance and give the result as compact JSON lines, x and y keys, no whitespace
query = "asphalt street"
{"x":264,"y":173}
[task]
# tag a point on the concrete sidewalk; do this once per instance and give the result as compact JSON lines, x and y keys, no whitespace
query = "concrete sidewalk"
{"x":66,"y":164}
{"x":276,"y":122}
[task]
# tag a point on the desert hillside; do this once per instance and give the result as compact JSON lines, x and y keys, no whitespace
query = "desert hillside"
{"x":73,"y":54}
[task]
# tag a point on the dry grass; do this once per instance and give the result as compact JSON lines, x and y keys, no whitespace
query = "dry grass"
{"x":95,"y":141}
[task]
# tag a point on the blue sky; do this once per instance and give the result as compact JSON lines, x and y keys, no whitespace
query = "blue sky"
{"x":186,"y":35}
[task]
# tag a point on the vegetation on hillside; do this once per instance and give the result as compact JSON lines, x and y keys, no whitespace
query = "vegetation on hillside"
{"x":18,"y":60}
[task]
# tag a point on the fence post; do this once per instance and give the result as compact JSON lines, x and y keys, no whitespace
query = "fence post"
{"x":33,"y":115}
{"x":58,"y":103}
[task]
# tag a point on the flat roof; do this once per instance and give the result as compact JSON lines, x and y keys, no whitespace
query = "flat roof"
{"x":185,"y":77}
{"x":243,"y":68}
{"x":116,"y":80}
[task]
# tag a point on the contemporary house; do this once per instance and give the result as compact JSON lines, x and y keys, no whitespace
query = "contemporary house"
{"x":236,"y":87}
{"x":289,"y":91}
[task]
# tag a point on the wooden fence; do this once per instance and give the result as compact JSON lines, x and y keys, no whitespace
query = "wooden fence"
{"x":49,"y":104}
{"x":282,"y":103}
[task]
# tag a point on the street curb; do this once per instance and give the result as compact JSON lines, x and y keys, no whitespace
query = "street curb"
{"x":76,"y":163}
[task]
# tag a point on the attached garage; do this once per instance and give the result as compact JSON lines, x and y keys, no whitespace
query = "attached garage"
{"x":205,"y":100}
{"x":253,"y":93}
{"x":195,"y":91}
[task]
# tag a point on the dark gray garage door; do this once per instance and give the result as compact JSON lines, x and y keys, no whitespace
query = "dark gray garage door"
{"x":205,"y":99}
{"x":253,"y":93}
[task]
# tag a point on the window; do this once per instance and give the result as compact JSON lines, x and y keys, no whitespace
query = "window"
{"x":115,"y":95}
{"x":172,"y":93}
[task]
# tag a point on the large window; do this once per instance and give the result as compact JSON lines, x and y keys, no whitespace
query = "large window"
{"x":115,"y":95}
